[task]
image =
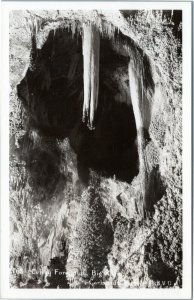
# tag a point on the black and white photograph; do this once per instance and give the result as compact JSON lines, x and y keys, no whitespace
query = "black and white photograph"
{"x":96,"y":149}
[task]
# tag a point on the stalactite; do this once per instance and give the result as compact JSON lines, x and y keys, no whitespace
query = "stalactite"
{"x":140,"y":81}
{"x":34,"y":25}
{"x":135,"y":85}
{"x":91,"y":53}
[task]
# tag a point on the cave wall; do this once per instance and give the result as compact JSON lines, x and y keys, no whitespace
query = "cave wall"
{"x":164,"y":150}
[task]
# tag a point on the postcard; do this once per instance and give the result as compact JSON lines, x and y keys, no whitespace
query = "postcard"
{"x":96,"y":150}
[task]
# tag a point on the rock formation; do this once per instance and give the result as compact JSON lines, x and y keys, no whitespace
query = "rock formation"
{"x":96,"y":95}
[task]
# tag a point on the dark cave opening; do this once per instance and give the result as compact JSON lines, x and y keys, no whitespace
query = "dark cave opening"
{"x":52,"y":94}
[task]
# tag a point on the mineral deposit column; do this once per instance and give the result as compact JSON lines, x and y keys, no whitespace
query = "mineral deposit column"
{"x":91,"y":55}
{"x":135,"y":85}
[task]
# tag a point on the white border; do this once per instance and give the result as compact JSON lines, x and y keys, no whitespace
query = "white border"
{"x":185,"y":292}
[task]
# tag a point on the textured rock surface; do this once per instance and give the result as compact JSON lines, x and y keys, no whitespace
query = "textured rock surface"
{"x":42,"y":219}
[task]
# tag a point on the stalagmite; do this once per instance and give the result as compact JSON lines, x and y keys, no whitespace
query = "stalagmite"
{"x":91,"y":54}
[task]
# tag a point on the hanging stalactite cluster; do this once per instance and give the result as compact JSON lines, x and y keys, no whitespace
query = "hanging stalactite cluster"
{"x":141,"y":85}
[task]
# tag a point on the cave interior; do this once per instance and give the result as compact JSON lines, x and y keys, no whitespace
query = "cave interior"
{"x":52,"y":93}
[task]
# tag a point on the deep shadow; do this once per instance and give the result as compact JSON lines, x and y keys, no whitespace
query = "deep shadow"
{"x":110,"y":148}
{"x":159,"y":272}
{"x":43,"y":159}
{"x":154,"y":192}
{"x":57,"y":278}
